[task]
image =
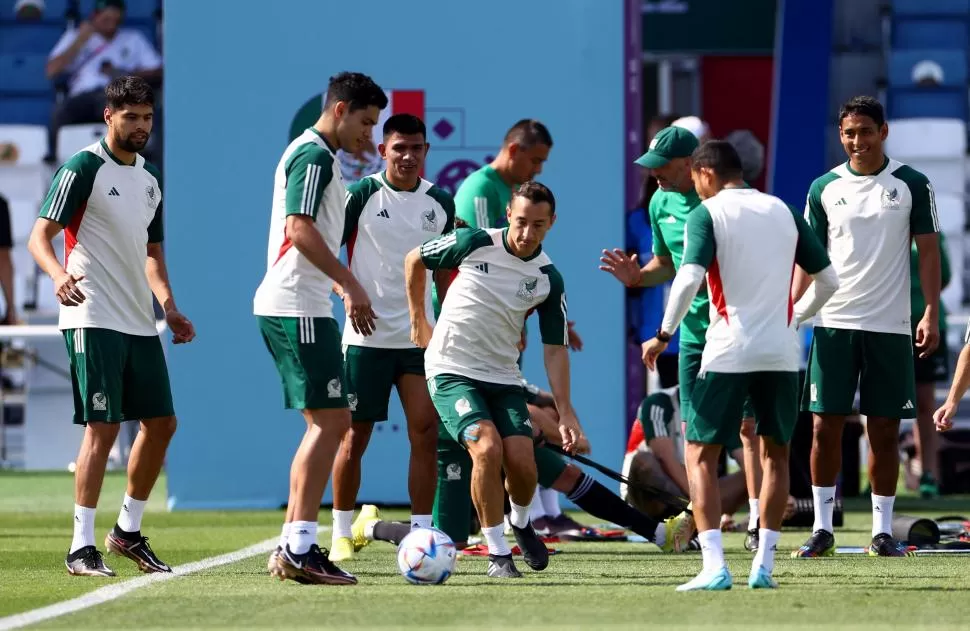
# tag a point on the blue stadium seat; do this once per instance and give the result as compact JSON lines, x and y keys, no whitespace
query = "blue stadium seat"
{"x":920,"y":102}
{"x":931,"y":7}
{"x":136,"y":9}
{"x":35,"y":110}
{"x":29,"y":38}
{"x":23,"y":73}
{"x":54,"y":10}
{"x":953,"y":63}
{"x":941,"y":32}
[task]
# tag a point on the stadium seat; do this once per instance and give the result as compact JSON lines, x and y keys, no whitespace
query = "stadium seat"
{"x":73,"y":138}
{"x":136,"y":9}
{"x":930,"y":33}
{"x":950,"y":208}
{"x":919,"y":102}
{"x":54,"y":10}
{"x":26,"y":109}
{"x":30,"y":142}
{"x":29,"y":38}
{"x":932,"y":138}
{"x":953,"y":63}
{"x":23,"y":73}
{"x":948,"y":177}
{"x":930,"y":7}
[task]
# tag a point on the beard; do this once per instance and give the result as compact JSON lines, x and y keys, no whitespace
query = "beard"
{"x":132,"y":144}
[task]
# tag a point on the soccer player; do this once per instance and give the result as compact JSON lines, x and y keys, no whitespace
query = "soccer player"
{"x":295,"y":312}
{"x":866,"y":211}
{"x":943,"y":417}
{"x":747,"y":243}
{"x":388,"y":215}
{"x":471,"y":366}
{"x":109,"y":202}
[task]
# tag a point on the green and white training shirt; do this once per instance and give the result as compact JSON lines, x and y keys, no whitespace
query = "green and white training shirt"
{"x":486,"y":305}
{"x":866,"y":223}
{"x":307,"y":182}
{"x":383,"y":224}
{"x":110,"y":211}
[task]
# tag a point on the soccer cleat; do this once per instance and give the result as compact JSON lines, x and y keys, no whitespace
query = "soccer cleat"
{"x":312,"y":568}
{"x":271,"y":565}
{"x":820,"y":544}
{"x":761,"y":579}
{"x":884,"y":545}
{"x":341,"y":549}
{"x":680,"y":530}
{"x":87,"y":561}
{"x":562,"y":523}
{"x":534,"y":552}
{"x":369,"y":514}
{"x":502,"y":566}
{"x":751,"y":540}
{"x":928,"y":487}
{"x":709,"y":581}
{"x":137,"y":549}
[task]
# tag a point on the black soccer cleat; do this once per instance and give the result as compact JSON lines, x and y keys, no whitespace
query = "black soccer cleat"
{"x":820,"y":544}
{"x":884,"y":545}
{"x":87,"y":561}
{"x":502,"y":566}
{"x":751,"y":540}
{"x":135,"y":547}
{"x":533,"y":550}
{"x":312,"y":568}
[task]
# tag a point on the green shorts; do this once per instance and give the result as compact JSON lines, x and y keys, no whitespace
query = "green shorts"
{"x":689,"y":366}
{"x":880,"y":365}
{"x":461,"y":402}
{"x":718,"y":404}
{"x":453,"y":497}
{"x":372,"y":372}
{"x":117,"y":377}
{"x":308,"y":358}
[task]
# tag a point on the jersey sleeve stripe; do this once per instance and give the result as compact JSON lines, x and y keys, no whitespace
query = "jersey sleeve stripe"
{"x":433,"y":247}
{"x":565,"y":321}
{"x":966,"y":335}
{"x":933,"y":214}
{"x":481,"y":212}
{"x":310,"y":188}
{"x":657,"y":416}
{"x":60,"y":198}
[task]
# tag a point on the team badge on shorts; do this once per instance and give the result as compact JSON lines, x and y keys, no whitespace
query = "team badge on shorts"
{"x":453,"y":472}
{"x":333,"y":389}
{"x":462,"y":406}
{"x":429,"y":221}
{"x":152,"y":196}
{"x":99,"y":402}
{"x":352,"y":402}
{"x":527,"y":288}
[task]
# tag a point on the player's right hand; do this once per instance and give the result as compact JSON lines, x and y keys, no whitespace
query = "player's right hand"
{"x":574,"y":440}
{"x":421,"y":332}
{"x":625,"y":268}
{"x":67,"y":291}
{"x":943,"y":417}
{"x":359,"y":308}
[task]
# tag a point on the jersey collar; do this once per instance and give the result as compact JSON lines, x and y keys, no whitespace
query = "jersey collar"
{"x":505,"y":242}
{"x":885,"y":164}
{"x":117,"y":160}
{"x":387,"y":183}
{"x":324,"y":139}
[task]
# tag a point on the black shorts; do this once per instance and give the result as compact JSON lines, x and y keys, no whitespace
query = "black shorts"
{"x":934,"y":368}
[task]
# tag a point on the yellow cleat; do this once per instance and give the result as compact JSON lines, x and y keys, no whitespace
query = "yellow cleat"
{"x":341,"y":549}
{"x":368,"y":515}
{"x":680,"y":530}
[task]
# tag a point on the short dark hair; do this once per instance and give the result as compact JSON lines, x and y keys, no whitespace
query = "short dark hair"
{"x":527,"y":133}
{"x":863,"y":106}
{"x":356,"y":89}
{"x":535,"y":193}
{"x":404,"y":124}
{"x":129,"y":90}
{"x":719,"y":156}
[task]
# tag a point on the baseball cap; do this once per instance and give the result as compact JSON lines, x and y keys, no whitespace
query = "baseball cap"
{"x":105,"y":4}
{"x":669,"y":143}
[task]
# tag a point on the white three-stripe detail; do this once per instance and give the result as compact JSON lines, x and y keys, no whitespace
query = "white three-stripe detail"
{"x":657,"y":417}
{"x":936,"y":219}
{"x":60,"y":197}
{"x":310,"y":182}
{"x":565,"y":320}
{"x":433,"y":247}
{"x":307,"y":333}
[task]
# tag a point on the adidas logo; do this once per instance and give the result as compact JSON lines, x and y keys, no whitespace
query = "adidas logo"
{"x":841,"y":202}
{"x":908,"y":406}
{"x":384,"y":214}
{"x":830,"y":500}
{"x":114,"y":192}
{"x":482,"y":267}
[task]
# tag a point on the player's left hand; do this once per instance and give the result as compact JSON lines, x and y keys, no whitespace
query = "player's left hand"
{"x":421,"y":332}
{"x":575,"y":342}
{"x":927,"y":336}
{"x":943,"y":417}
{"x":651,"y":350}
{"x":182,"y":330}
{"x":574,"y":440}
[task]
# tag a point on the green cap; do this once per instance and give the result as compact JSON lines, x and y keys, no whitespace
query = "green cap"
{"x":669,"y":143}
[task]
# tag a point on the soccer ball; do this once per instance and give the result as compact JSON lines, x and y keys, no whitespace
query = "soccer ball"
{"x":426,"y":556}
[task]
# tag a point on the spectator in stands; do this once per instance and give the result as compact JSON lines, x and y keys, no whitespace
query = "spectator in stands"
{"x":6,"y":264}
{"x":89,"y":57}
{"x":751,"y":152}
{"x":28,"y":10}
{"x":696,"y":126}
{"x":927,"y":73}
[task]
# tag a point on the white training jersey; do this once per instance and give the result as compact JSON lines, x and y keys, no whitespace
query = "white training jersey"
{"x":384,"y":223}
{"x":749,"y":242}
{"x":307,"y":182}
{"x":483,"y":313}
{"x":866,"y":223}
{"x":110,"y":212}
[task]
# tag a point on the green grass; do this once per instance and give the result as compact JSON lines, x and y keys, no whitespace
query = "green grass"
{"x":587,"y":586}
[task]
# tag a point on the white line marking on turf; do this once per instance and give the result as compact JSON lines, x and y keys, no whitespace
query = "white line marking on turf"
{"x":117,"y":590}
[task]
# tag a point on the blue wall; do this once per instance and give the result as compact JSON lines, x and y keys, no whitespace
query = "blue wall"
{"x":234,"y":81}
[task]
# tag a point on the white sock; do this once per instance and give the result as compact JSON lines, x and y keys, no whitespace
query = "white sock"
{"x":420,"y":521}
{"x":520,"y":515}
{"x":660,"y":536}
{"x":303,"y":534}
{"x":495,"y":538}
{"x":342,"y":520}
{"x":536,"y":511}
{"x":129,"y":519}
{"x":284,"y":534}
{"x":712,"y":550}
{"x":765,"y":556}
{"x":83,"y":527}
{"x":753,"y":513}
{"x":824,"y":499}
{"x":882,"y":514}
{"x":550,"y":502}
